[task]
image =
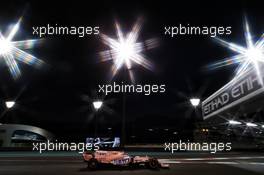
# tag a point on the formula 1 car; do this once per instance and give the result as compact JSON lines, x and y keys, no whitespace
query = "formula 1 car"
{"x":120,"y":158}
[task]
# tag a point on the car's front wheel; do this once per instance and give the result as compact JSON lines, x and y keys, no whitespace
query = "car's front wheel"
{"x":153,"y":163}
{"x":93,"y":164}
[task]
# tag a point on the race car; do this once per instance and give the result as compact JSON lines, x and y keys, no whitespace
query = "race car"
{"x":120,"y":158}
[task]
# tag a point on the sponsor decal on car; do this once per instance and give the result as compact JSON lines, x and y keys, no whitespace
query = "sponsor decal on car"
{"x":121,"y":161}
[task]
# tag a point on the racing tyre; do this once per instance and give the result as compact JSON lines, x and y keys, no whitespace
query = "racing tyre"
{"x":92,"y":164}
{"x":153,"y":164}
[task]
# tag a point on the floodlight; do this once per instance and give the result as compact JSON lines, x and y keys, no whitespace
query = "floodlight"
{"x":250,"y":56}
{"x":251,"y":124}
{"x":233,"y":122}
{"x":97,"y":104}
{"x":13,"y":51}
{"x":10,"y":104}
{"x":5,"y":47}
{"x":195,"y":101}
{"x":126,"y":50}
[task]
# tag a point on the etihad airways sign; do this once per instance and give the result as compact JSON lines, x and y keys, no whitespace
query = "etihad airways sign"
{"x":235,"y":92}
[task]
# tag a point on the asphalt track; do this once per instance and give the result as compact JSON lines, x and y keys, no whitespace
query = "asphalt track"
{"x":180,"y":163}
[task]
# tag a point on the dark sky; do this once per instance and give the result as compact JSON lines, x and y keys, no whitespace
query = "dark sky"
{"x":51,"y":97}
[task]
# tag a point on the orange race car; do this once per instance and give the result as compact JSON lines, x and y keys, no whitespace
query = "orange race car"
{"x":120,"y":158}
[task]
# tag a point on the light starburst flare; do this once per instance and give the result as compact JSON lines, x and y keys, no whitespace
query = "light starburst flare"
{"x":12,"y":51}
{"x":125,"y":50}
{"x":250,"y":56}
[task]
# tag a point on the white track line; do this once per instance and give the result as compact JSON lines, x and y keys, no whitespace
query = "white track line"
{"x":213,"y":162}
{"x":215,"y":158}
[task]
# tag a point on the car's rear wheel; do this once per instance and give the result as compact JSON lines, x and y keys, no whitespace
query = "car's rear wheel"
{"x":93,"y":164}
{"x":153,"y":163}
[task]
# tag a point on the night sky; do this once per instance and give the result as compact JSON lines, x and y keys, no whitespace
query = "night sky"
{"x":51,"y":97}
